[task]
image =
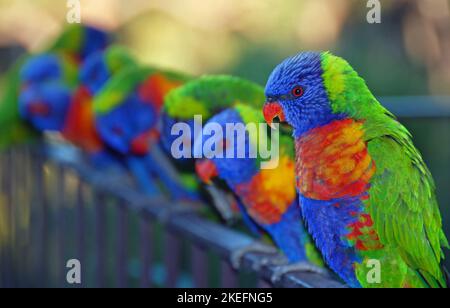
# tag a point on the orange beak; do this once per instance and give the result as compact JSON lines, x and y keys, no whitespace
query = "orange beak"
{"x":273,"y":110}
{"x":206,"y":170}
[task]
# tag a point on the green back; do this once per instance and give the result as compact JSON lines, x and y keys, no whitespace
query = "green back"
{"x":208,"y":95}
{"x":402,"y":195}
{"x":120,"y":86}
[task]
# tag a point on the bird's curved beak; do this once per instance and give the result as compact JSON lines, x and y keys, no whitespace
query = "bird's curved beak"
{"x":206,"y":170}
{"x":273,"y":110}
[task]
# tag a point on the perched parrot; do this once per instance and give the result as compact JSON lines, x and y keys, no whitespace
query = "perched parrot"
{"x":79,"y":125}
{"x":268,"y":196}
{"x":62,"y":101}
{"x":365,"y":193}
{"x":127,"y":116}
{"x":75,"y":44}
{"x":205,"y":96}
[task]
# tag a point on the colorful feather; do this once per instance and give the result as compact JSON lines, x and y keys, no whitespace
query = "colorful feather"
{"x":268,"y":196}
{"x":365,"y":191}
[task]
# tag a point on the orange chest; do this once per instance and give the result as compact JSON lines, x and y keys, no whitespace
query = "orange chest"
{"x":333,"y":162}
{"x":80,"y":125}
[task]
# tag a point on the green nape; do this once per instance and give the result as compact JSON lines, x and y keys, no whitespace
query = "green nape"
{"x":118,"y":58}
{"x":210,"y":94}
{"x":121,"y":85}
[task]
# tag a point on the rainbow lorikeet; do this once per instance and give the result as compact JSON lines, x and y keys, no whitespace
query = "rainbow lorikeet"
{"x":46,"y":82}
{"x":127,"y":115}
{"x":268,"y":196}
{"x":75,"y":44}
{"x":204,"y":97}
{"x":365,"y":193}
{"x":63,"y":104}
{"x":80,"y":41}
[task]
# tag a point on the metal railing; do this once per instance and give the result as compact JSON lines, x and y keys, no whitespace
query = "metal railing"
{"x":54,"y":207}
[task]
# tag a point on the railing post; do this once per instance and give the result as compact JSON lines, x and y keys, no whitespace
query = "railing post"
{"x":146,"y":250}
{"x":60,"y":222}
{"x":100,"y":204}
{"x":41,"y":196}
{"x":229,"y":277}
{"x":80,"y":225}
{"x":199,"y":261}
{"x":172,"y":258}
{"x":122,"y":245}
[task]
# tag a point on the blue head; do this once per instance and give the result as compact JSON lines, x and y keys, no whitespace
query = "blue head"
{"x":45,"y":105}
{"x":233,"y":169}
{"x":94,"y":72}
{"x":129,"y":127}
{"x":296,"y":93}
{"x":41,"y":68}
{"x":94,"y":40}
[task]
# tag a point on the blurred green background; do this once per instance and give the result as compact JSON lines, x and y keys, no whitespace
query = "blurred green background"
{"x":407,"y":54}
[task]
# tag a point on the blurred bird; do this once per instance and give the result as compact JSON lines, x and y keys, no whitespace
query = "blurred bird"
{"x":127,"y":115}
{"x":365,"y":193}
{"x":75,"y":44}
{"x":54,"y":99}
{"x":79,"y":125}
{"x":268,"y":196}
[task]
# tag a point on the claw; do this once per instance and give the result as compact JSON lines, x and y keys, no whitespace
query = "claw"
{"x":296,"y":267}
{"x":256,"y":247}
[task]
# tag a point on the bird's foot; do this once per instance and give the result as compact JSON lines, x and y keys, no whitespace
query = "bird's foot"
{"x":280,"y":271}
{"x":256,"y":247}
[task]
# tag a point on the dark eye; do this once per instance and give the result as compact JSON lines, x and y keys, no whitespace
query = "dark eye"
{"x":298,"y":91}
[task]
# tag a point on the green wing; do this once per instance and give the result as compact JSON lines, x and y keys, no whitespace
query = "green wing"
{"x":402,"y":200}
{"x":124,"y":82}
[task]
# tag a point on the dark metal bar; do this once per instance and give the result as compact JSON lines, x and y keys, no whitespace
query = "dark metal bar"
{"x":199,"y":266}
{"x":172,"y":258}
{"x":146,"y":251}
{"x":80,"y":226}
{"x":122,"y":245}
{"x":229,"y":277}
{"x":60,"y":223}
{"x":9,"y":199}
{"x":100,"y":213}
{"x":41,"y":192}
{"x":181,"y":220}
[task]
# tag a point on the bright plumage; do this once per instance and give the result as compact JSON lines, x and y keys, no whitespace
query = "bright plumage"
{"x":268,"y":196}
{"x":204,"y":97}
{"x":55,"y":65}
{"x":81,"y":41}
{"x":56,"y":97}
{"x":365,"y":191}
{"x":127,"y":115}
{"x":97,"y":69}
{"x":47,"y":82}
